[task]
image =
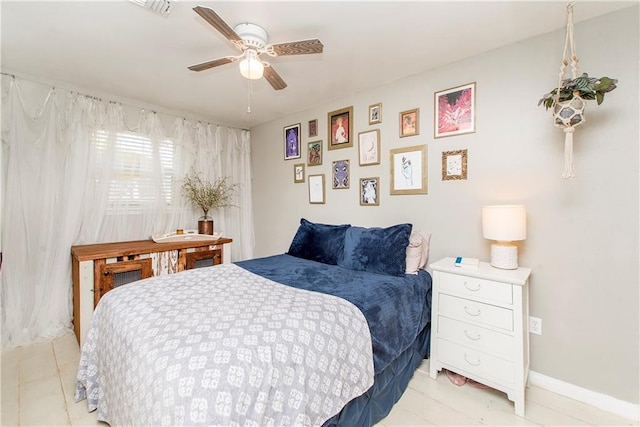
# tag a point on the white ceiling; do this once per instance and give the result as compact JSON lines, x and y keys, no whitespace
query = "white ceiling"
{"x":118,"y":48}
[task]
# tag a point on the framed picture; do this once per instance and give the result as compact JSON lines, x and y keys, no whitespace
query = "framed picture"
{"x":314,"y":153}
{"x":409,"y":170}
{"x":340,"y":126}
{"x":369,"y":147}
{"x":410,"y":122}
{"x":340,"y":174}
{"x":369,"y":191}
{"x":375,"y":114}
{"x":455,"y":111}
{"x":298,"y":173}
{"x":316,"y":189}
{"x":313,"y":128}
{"x":454,"y":165}
{"x":292,"y":142}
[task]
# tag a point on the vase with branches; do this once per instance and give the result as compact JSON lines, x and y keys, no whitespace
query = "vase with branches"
{"x":207,"y":195}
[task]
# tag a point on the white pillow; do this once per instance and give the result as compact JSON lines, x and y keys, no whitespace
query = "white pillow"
{"x":417,"y":251}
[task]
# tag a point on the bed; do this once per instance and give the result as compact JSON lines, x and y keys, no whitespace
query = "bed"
{"x":328,"y":333}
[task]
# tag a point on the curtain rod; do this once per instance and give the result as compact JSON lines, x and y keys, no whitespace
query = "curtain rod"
{"x":100,"y":99}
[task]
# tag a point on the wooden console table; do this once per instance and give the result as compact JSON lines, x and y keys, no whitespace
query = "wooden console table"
{"x":98,"y":268}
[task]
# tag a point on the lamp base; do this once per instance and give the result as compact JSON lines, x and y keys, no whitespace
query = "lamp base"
{"x":504,"y":255}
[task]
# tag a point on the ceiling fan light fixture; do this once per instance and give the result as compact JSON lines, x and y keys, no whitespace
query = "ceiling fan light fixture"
{"x":251,"y":40}
{"x":251,"y":67}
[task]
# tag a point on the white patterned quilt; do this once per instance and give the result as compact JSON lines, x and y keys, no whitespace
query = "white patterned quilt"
{"x":222,"y":346}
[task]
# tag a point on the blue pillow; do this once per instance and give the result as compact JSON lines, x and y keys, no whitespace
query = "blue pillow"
{"x":377,"y":250}
{"x":319,"y":242}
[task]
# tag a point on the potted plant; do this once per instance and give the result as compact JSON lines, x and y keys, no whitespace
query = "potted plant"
{"x":569,"y":104}
{"x":207,"y":195}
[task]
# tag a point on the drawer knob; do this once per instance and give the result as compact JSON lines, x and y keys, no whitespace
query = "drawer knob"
{"x":476,"y":363}
{"x":473,"y":289}
{"x":476,"y":338}
{"x":474,"y":314}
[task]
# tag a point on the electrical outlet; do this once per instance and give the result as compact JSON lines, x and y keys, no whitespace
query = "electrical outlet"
{"x":535,"y":325}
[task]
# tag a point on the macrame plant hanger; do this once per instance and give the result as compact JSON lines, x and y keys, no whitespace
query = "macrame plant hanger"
{"x":568,"y":114}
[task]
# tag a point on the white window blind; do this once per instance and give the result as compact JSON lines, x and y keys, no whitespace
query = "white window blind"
{"x":140,"y":173}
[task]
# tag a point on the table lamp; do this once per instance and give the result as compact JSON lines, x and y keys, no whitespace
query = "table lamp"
{"x":504,"y":224}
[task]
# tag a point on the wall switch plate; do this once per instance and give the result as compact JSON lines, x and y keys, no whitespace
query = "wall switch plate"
{"x":535,"y":325}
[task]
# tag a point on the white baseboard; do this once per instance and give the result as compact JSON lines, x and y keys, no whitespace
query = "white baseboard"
{"x":598,"y":400}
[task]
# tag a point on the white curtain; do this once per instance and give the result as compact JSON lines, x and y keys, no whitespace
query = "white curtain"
{"x":75,"y":172}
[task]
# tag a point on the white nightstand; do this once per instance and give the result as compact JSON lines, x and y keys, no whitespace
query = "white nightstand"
{"x":480,"y":327}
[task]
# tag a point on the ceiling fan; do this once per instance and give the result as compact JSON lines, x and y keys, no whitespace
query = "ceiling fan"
{"x":251,"y":40}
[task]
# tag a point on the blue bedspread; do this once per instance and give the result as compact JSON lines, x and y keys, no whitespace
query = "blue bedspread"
{"x":396,"y":308}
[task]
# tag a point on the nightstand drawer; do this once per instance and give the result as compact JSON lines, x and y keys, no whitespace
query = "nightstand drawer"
{"x":475,"y":312}
{"x":476,"y":288}
{"x":486,"y":340}
{"x":475,"y":362}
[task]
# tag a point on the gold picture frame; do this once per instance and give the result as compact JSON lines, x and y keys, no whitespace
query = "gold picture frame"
{"x":408,"y":170}
{"x":410,"y":122}
{"x":454,"y":165}
{"x":370,"y":191}
{"x":341,"y":174}
{"x":316,"y":189}
{"x":369,"y":147}
{"x":340,"y":128}
{"x":291,"y":141}
{"x":314,"y":153}
{"x":455,"y":111}
{"x":298,"y":173}
{"x":375,"y":114}
{"x":313,"y":128}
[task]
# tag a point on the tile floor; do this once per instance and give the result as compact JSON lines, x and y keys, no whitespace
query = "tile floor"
{"x":38,"y":383}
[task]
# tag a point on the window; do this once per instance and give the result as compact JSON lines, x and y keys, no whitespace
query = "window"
{"x":139,"y":170}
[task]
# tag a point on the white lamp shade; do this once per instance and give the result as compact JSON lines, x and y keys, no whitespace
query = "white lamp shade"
{"x":504,"y":223}
{"x":251,"y":67}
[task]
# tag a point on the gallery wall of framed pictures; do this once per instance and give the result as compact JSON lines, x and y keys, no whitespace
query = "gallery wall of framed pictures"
{"x":478,"y":153}
{"x":353,"y":150}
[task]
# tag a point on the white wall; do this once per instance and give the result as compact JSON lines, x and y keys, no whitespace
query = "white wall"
{"x":582,"y":234}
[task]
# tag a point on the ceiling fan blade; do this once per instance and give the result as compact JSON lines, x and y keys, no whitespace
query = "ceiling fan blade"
{"x":302,"y":47}
{"x":274,"y":78}
{"x":216,"y":22}
{"x":211,"y":64}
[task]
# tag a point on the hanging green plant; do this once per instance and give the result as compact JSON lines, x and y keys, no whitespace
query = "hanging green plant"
{"x":568,"y":99}
{"x":587,"y":88}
